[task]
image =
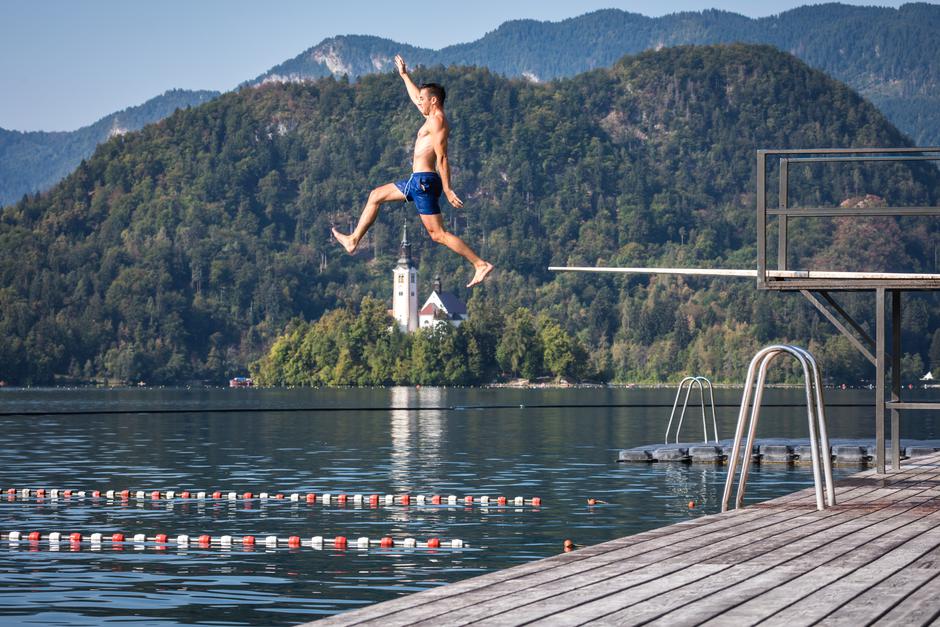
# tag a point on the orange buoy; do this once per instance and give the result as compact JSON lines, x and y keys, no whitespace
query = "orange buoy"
{"x":434,"y":543}
{"x":339,"y":542}
{"x":117,"y":537}
{"x":387,"y":542}
{"x":293,"y":541}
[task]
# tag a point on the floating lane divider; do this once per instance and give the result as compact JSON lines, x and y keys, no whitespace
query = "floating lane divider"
{"x":325,"y":498}
{"x":161,"y":541}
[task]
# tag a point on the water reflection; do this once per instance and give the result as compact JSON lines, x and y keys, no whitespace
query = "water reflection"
{"x":416,"y":436}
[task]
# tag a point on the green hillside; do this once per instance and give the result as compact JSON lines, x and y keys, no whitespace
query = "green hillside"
{"x":181,"y":251}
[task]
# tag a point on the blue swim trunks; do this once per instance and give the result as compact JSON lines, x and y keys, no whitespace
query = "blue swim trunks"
{"x":424,"y":190}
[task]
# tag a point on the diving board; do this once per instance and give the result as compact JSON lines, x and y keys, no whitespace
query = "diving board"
{"x":772,"y":274}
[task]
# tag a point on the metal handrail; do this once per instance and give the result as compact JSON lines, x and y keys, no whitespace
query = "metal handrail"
{"x":816,"y":415}
{"x":702,"y":382}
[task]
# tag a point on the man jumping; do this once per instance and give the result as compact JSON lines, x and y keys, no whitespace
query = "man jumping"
{"x":425,"y":185}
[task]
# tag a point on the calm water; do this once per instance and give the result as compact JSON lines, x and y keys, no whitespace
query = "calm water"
{"x":562,"y":455}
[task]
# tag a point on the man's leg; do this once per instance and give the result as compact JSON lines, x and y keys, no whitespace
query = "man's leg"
{"x":385,"y":193}
{"x":435,"y":226}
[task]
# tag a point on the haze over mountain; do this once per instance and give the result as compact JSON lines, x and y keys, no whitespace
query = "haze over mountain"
{"x":34,"y":161}
{"x":179,"y":252}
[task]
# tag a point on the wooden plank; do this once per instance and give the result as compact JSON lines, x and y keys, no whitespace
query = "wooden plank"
{"x":884,"y":597}
{"x":899,"y":514}
{"x":610,"y":551}
{"x":697,"y":580}
{"x":847,"y":585}
{"x":456,"y":607}
{"x":555,"y":596}
{"x":918,"y":608}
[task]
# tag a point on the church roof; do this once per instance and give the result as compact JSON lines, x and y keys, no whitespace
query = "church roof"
{"x":453,"y":305}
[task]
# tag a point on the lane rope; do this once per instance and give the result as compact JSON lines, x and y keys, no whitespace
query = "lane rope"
{"x":233,"y":410}
{"x":311,"y":498}
{"x":162,"y":541}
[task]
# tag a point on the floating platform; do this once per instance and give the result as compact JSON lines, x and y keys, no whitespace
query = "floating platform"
{"x":874,"y":557}
{"x":771,"y":450}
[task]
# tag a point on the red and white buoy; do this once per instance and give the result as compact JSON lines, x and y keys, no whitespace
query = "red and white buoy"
{"x":63,"y":496}
{"x":160,"y":541}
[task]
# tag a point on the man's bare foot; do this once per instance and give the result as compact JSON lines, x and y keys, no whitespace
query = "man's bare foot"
{"x":481,"y":273}
{"x":347,"y":241}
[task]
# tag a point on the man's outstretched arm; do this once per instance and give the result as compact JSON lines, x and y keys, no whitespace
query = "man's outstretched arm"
{"x":409,"y":84}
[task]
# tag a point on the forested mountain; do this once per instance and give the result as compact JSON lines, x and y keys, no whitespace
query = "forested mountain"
{"x":888,"y":55}
{"x":34,"y":161}
{"x":181,"y":251}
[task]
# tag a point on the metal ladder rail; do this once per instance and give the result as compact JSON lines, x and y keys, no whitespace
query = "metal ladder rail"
{"x":816,"y":416}
{"x":688,"y":389}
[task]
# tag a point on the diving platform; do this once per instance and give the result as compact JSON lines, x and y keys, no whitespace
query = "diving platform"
{"x":819,"y":287}
{"x":874,"y":557}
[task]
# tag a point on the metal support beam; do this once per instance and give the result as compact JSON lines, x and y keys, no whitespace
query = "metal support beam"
{"x":841,"y":327}
{"x":895,"y":378}
{"x":880,"y":381}
{"x":783,"y":222}
{"x":858,"y":328}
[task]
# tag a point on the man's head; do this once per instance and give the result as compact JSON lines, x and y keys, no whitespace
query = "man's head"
{"x":429,"y":94}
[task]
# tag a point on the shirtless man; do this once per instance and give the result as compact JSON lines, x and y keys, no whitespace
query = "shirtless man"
{"x":425,"y":185}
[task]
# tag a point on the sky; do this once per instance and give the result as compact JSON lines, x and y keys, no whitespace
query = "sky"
{"x":65,"y":64}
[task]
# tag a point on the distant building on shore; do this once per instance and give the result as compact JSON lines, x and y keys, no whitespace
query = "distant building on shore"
{"x":440,"y":308}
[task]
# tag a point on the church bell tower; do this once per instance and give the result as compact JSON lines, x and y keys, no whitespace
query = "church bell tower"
{"x":405,"y":288}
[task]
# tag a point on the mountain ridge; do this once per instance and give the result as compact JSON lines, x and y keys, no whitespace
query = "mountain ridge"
{"x":601,"y":37}
{"x":32,"y":161}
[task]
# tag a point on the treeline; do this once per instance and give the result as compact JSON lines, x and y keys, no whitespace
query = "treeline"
{"x":366,"y":347}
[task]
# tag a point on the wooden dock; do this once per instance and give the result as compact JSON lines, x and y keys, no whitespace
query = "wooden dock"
{"x":873,"y":558}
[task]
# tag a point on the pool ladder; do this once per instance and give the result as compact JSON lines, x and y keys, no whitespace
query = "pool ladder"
{"x":816,"y":415}
{"x":687,"y":384}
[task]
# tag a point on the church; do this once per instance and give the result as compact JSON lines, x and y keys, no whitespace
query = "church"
{"x":440,"y":308}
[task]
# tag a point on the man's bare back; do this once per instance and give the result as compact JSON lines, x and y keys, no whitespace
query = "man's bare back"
{"x":430,"y":176}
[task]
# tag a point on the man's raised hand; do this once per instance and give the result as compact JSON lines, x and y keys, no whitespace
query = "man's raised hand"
{"x":400,"y":64}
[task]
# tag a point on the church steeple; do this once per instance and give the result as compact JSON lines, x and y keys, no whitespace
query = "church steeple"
{"x":405,"y":288}
{"x":404,"y":257}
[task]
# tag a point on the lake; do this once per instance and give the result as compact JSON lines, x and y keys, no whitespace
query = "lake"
{"x":366,"y":442}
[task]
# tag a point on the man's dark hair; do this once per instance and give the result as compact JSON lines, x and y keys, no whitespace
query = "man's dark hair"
{"x":435,"y":90}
